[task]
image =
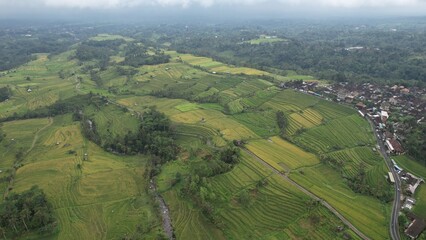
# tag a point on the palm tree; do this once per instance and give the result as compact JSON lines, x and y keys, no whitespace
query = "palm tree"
{"x":24,"y":214}
{"x":3,"y":232}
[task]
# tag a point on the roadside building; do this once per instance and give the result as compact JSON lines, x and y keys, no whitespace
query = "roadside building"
{"x":384,"y":116}
{"x":361,"y":106}
{"x":390,"y":178}
{"x":415,"y":228}
{"x":394,"y":146}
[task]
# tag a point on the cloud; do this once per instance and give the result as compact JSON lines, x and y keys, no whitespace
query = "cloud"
{"x":108,"y":4}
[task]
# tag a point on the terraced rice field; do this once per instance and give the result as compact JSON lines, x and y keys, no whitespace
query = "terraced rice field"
{"x":200,"y":131}
{"x":263,"y":123}
{"x":112,"y":122}
{"x":19,"y":138}
{"x":229,"y":128}
{"x":189,"y":222}
{"x":277,"y":151}
{"x":215,"y":66}
{"x":167,"y":106}
{"x":330,"y":110}
{"x":368,"y":214}
{"x":329,"y":129}
{"x":44,"y":87}
{"x":355,"y":158}
{"x":235,"y":106}
{"x":288,"y":100}
{"x":276,"y":211}
{"x":340,"y":133}
{"x":99,"y":198}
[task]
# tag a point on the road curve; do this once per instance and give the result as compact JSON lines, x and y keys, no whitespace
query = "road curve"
{"x":307,"y":192}
{"x":394,"y":225}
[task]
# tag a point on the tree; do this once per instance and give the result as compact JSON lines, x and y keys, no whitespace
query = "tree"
{"x":26,"y":211}
{"x":281,"y":121}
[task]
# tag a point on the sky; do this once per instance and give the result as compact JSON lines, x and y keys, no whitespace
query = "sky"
{"x":58,"y":8}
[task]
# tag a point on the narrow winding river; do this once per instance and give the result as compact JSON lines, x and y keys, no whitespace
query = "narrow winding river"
{"x":165,"y":213}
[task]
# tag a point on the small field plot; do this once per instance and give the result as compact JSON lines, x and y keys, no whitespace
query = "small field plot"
{"x":277,"y":151}
{"x":368,"y":214}
{"x":354,"y":158}
{"x":202,"y":132}
{"x":259,"y":98}
{"x":165,"y":105}
{"x":420,"y":207}
{"x":337,"y":134}
{"x":410,"y":165}
{"x":330,"y":110}
{"x":303,"y":119}
{"x":112,"y":121}
{"x":291,"y":97}
{"x":263,"y":123}
{"x":262,"y":39}
{"x":20,"y":133}
{"x":248,"y":88}
{"x":214,"y":66}
{"x":238,"y":70}
{"x":185,"y":107}
{"x":229,"y":128}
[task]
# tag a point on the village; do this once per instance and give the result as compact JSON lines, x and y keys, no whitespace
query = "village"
{"x":391,"y":110}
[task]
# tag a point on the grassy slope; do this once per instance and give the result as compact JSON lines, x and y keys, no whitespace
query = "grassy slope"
{"x":366,"y":213}
{"x":104,"y":198}
{"x":283,"y":153}
{"x":312,"y":109}
{"x":276,"y":211}
{"x":45,"y":84}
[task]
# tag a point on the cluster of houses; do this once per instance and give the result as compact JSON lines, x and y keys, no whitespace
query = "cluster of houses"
{"x":377,"y":103}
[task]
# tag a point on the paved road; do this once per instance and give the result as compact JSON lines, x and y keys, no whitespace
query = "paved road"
{"x":307,"y":192}
{"x":394,"y":226}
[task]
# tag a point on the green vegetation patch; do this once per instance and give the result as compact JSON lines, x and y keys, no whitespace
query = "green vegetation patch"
{"x":266,"y":39}
{"x":420,"y":207}
{"x":187,"y":107}
{"x":337,"y":134}
{"x":94,"y":194}
{"x":368,"y":214}
{"x":278,"y":151}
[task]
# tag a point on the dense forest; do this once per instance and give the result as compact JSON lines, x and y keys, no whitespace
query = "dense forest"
{"x":26,"y":211}
{"x":353,"y":52}
{"x":155,"y":136}
{"x":17,"y":46}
